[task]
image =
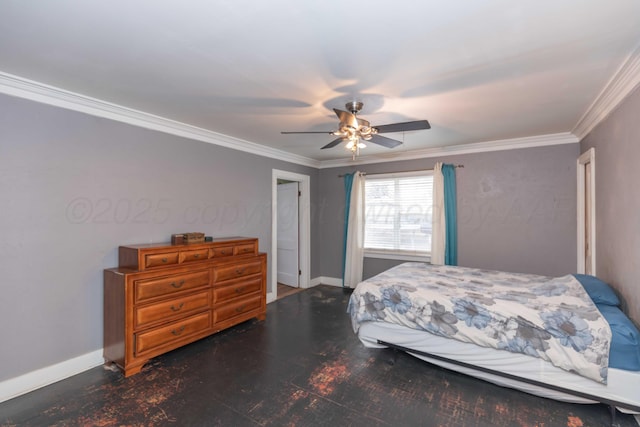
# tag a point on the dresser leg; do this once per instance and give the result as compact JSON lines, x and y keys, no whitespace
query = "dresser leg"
{"x":132,"y":370}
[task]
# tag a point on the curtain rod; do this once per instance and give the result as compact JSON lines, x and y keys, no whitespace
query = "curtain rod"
{"x":416,"y":170}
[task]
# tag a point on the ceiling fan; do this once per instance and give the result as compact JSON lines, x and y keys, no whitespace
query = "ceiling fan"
{"x":354,"y":130}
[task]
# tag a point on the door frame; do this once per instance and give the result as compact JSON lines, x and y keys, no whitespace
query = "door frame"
{"x":304,"y":224}
{"x":588,"y":157}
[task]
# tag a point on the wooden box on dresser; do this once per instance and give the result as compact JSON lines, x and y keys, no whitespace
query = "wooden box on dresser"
{"x":163,"y":296}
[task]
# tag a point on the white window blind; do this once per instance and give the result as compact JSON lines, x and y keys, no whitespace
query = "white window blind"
{"x":398,"y":212}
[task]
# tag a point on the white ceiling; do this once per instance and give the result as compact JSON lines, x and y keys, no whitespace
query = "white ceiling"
{"x":477,"y":70}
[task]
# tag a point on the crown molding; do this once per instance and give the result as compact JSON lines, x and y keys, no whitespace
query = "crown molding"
{"x":40,"y":92}
{"x":478,"y":147}
{"x":623,"y":82}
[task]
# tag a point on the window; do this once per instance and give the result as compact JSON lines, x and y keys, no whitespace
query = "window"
{"x":398,"y":213}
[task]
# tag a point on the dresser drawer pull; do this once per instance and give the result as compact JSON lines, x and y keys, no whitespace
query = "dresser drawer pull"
{"x":177,"y":285}
{"x":245,"y":250}
{"x":178,"y":331}
{"x":165,"y":259}
{"x":196,"y":256}
{"x":223,"y":252}
{"x":241,"y":308}
{"x":240,"y":270}
{"x":240,"y":290}
{"x":178,"y":308}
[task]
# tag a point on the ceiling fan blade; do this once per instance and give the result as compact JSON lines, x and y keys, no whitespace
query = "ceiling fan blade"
{"x":406,"y":126}
{"x":384,"y":141}
{"x":328,"y":132}
{"x":347,"y":118}
{"x":332,"y":143}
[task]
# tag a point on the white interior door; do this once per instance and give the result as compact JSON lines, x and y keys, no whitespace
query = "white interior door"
{"x":288,"y":234}
{"x":587,"y":213}
{"x":588,"y":238}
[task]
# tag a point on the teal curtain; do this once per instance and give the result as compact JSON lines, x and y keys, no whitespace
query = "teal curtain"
{"x":451,"y":215}
{"x":348,"y":184}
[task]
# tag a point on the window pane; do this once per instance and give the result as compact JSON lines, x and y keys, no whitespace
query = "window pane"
{"x":398,"y":213}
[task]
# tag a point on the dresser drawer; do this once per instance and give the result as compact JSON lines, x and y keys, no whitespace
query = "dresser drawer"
{"x":159,"y":260}
{"x":246,"y":249}
{"x":171,"y":309}
{"x":237,"y":288}
{"x":152,"y":288}
{"x":236,"y":308}
{"x":221,"y":251}
{"x":176,"y":331}
{"x":221,"y":273}
{"x":191,"y":256}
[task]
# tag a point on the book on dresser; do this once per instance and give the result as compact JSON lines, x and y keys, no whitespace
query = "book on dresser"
{"x":164,"y":296}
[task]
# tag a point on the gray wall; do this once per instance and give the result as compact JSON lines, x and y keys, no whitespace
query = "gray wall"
{"x":617,"y":152}
{"x":516,"y":210}
{"x":75,"y":187}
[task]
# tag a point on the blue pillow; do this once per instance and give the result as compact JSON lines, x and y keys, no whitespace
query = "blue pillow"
{"x":624,"y":352}
{"x":600,"y":292}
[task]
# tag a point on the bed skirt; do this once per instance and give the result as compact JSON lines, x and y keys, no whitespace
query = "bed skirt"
{"x":623,"y":386}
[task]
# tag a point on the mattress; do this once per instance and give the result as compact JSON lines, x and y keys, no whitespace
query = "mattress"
{"x":552,"y":318}
{"x":623,"y":386}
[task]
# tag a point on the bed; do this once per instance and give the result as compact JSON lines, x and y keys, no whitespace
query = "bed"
{"x":563,"y":338}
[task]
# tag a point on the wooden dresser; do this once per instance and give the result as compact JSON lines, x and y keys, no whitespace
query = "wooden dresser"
{"x":164,"y":296}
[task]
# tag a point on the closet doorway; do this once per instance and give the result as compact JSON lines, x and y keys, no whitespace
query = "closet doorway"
{"x":290,"y":231}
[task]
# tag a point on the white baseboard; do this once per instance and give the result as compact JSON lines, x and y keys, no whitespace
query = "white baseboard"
{"x":30,"y":381}
{"x":271,"y":297}
{"x":322,"y":280}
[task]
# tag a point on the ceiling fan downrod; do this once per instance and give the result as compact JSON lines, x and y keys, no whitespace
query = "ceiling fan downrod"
{"x":354,"y":107}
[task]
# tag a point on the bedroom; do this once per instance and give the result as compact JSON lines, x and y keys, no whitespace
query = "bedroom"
{"x":67,"y":184}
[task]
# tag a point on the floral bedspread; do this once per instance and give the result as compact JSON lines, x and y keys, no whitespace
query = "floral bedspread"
{"x":550,"y":318}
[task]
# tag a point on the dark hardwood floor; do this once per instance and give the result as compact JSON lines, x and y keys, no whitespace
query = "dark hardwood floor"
{"x":302,"y":366}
